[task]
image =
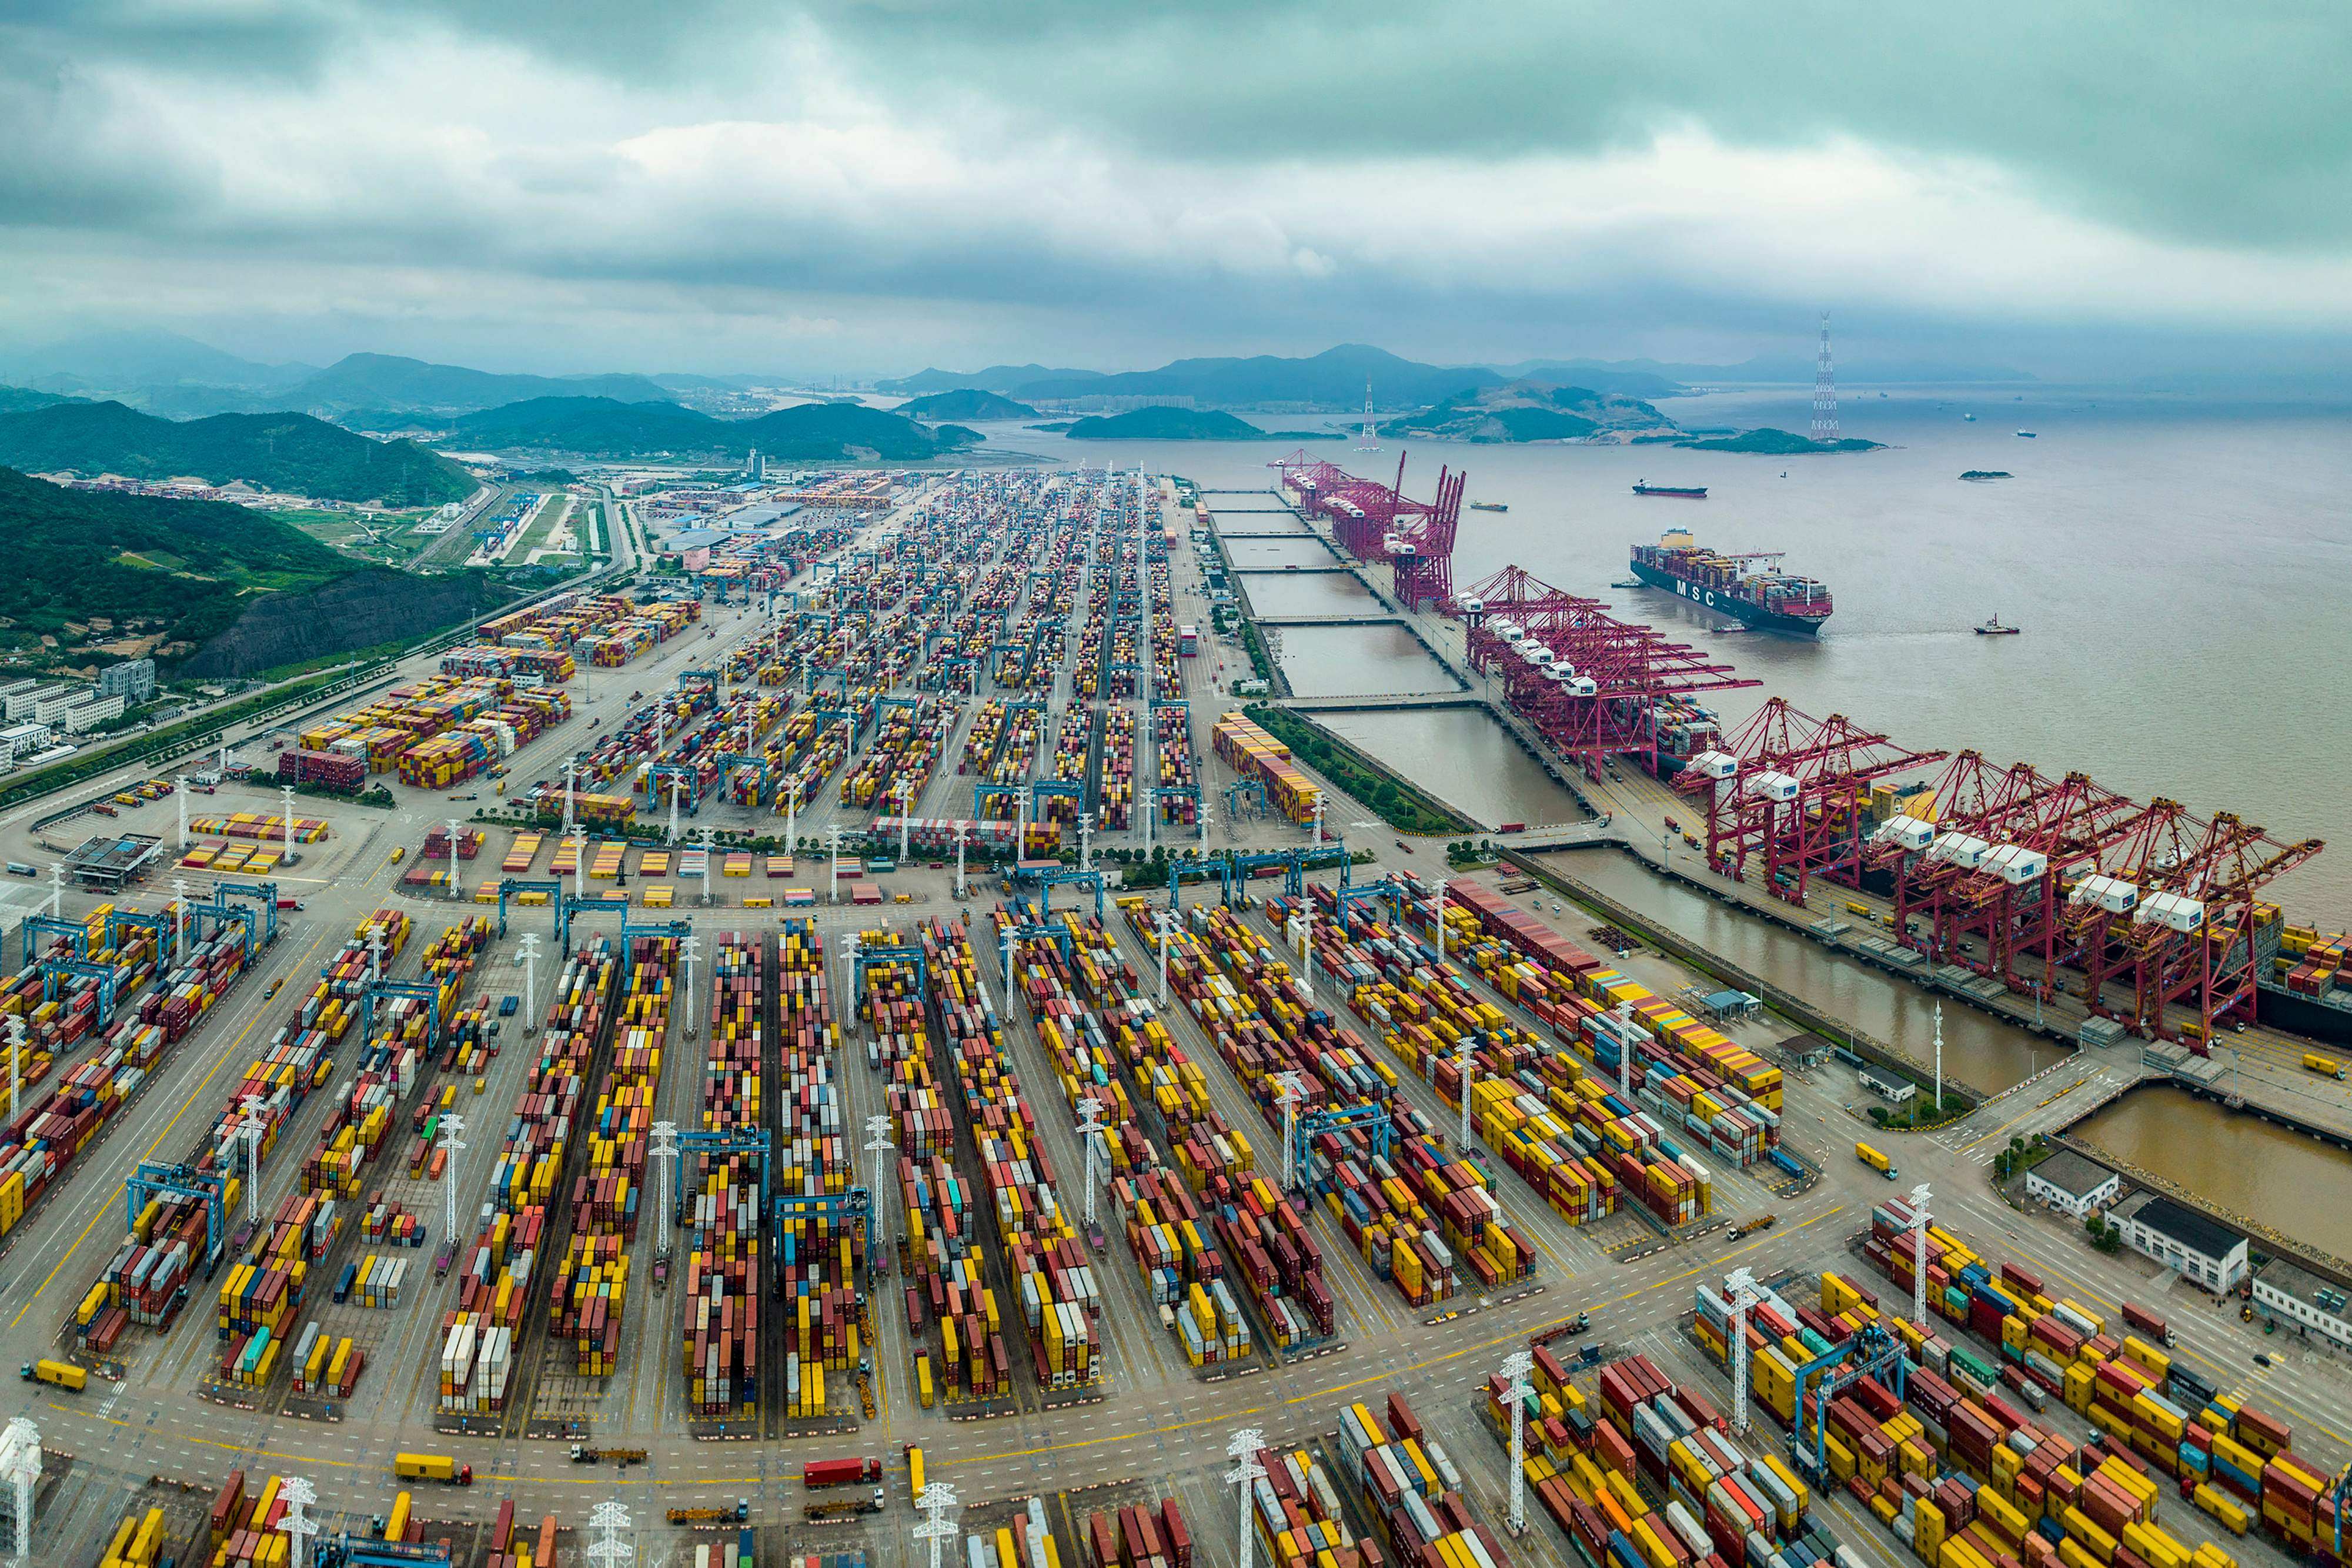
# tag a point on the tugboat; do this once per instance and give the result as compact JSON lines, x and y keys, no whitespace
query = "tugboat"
{"x":1993,"y":628}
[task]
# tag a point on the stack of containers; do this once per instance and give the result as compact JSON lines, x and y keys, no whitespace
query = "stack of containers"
{"x":723,"y":1224}
{"x":1254,"y":754}
{"x":324,"y":1364}
{"x":497,"y":1272}
{"x":591,"y":1283}
{"x":1172,"y":747}
{"x":137,"y":1543}
{"x":392,"y":1225}
{"x":1053,"y":1287}
{"x":1140,"y":1537}
{"x":1014,"y":758}
{"x":1118,"y":801}
{"x":1275,"y":1259}
{"x":1073,"y":746}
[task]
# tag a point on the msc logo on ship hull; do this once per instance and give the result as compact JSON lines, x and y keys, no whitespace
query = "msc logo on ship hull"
{"x":1705,"y":596}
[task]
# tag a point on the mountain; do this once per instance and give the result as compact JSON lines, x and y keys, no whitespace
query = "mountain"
{"x":1597,"y":375}
{"x":1776,"y":367}
{"x":995,"y":379}
{"x":593,"y":424}
{"x":1773,"y":443}
{"x":965,"y":403}
{"x":683,"y":380}
{"x":1531,"y":411}
{"x":1167,"y":424}
{"x":288,"y":452}
{"x":181,"y":566}
{"x":122,"y":361}
{"x":15,"y":399}
{"x":389,"y":381}
{"x":824,"y":431}
{"x":1334,"y":378}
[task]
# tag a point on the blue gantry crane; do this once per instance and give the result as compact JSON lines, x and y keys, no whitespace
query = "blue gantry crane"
{"x":161,"y":1179}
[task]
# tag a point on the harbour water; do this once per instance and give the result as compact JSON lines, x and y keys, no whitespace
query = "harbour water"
{"x":2180,"y":572}
{"x":2235,"y":1162}
{"x":1465,"y":756}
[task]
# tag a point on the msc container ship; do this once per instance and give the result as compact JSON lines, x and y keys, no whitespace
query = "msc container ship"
{"x":1768,"y":600}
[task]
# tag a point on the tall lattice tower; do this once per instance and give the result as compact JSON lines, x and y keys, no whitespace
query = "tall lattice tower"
{"x":1370,"y":441}
{"x":1825,"y":425}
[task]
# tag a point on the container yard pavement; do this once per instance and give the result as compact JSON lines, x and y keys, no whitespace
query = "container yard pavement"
{"x":1158,"y":1421}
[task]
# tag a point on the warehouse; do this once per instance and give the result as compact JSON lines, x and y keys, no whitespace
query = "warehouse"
{"x":2297,"y":1296}
{"x":2207,"y":1253}
{"x":2066,"y":1180}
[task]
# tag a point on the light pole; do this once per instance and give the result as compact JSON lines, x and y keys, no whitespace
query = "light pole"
{"x":1625,"y":1051}
{"x":1741,"y":1287}
{"x":677,"y":785}
{"x":570,"y":771}
{"x":1167,"y":925}
{"x":180,"y":787}
{"x":56,"y":889}
{"x":833,"y":887}
{"x":1319,"y":819}
{"x":1246,"y":1474}
{"x":689,"y":949}
{"x":879,"y":1145}
{"x":179,"y":918}
{"x":1515,"y":1367}
{"x":964,"y":836}
{"x":1462,"y":1062}
{"x":792,"y":814}
{"x":286,"y":819}
{"x":1940,"y":1061}
{"x":706,"y":867}
{"x":903,"y":791}
{"x":452,"y":1128}
{"x":251,"y":1130}
{"x":452,"y":825}
{"x":1089,"y":1130}
{"x":1086,"y":841}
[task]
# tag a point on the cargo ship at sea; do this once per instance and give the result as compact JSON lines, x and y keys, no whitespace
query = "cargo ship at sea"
{"x":1769,"y":599}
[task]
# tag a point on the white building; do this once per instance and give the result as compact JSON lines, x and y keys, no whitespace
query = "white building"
{"x":2068,"y":1181}
{"x":91,"y":711}
{"x":50,"y":703}
{"x":2211,"y":1254}
{"x":2298,"y":1297}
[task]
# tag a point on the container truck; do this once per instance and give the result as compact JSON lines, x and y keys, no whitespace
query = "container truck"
{"x":2325,"y":1066}
{"x":58,"y":1374}
{"x":841,"y":1509}
{"x":738,"y":1514}
{"x":2147,"y":1322}
{"x":840,"y":1472}
{"x":1875,"y":1160}
{"x":432,"y":1467}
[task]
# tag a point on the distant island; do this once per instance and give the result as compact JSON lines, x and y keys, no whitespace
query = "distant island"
{"x":965,"y":403}
{"x":1988,"y":474}
{"x":1526,"y":410}
{"x":1773,"y":443}
{"x":1159,"y":423}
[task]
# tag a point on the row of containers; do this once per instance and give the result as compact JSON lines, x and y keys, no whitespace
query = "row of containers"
{"x":591,"y":1281}
{"x":1961,"y":1468}
{"x":499,"y":1270}
{"x":1138,"y":1536}
{"x":603,"y":629}
{"x":1054,"y":1288}
{"x":724,"y":1258}
{"x":1641,"y":1473}
{"x":1178,"y":1175}
{"x":1418,"y":1214}
{"x":1172,"y":760}
{"x":1251,"y":752}
{"x":825,"y":1330}
{"x":2234,"y":1461}
{"x":440,"y":730}
{"x":151,"y":1277}
{"x":943,"y":1260}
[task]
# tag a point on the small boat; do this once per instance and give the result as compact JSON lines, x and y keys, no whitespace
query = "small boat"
{"x":1489,"y":507}
{"x":1993,"y":628}
{"x":1969,"y":418}
{"x":1629,"y":582}
{"x":1784,"y":473}
{"x":1686,"y":492}
{"x":2028,"y":435}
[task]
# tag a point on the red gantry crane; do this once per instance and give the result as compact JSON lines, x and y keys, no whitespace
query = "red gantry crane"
{"x":1593,"y":685}
{"x":1379,"y":522}
{"x":1791,"y":793}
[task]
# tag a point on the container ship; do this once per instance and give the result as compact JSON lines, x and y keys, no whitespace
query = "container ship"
{"x":1769,"y":599}
{"x":2303,"y":977}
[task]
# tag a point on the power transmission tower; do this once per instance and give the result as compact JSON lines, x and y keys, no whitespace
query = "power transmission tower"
{"x":1246,"y":1473}
{"x":1825,"y":419}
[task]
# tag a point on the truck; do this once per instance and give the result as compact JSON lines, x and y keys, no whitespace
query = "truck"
{"x":57,"y":1373}
{"x":432,"y":1467}
{"x":583,"y":1455}
{"x":2325,"y":1066}
{"x":1751,"y":1224}
{"x":2147,"y":1322}
{"x":841,"y":1509}
{"x":915,"y":1470}
{"x":1875,"y":1160}
{"x":840,"y":1472}
{"x":738,"y":1514}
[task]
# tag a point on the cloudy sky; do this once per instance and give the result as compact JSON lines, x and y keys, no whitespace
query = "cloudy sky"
{"x":837,"y":186}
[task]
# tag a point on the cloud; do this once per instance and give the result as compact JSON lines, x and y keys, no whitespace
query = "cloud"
{"x":892,"y":180}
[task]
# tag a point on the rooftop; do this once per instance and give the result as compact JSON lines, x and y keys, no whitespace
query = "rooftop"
{"x":2294,"y":1279}
{"x":112,"y":859}
{"x":2072,"y":1174}
{"x":2192,"y":1230}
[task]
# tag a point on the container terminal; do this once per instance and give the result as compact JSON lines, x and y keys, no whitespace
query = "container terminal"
{"x":873,"y":1017}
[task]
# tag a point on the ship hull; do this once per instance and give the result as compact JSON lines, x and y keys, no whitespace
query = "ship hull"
{"x":1731,"y":604}
{"x":2302,"y":1014}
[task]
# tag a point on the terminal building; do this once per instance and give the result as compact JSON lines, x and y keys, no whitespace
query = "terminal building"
{"x":2187,"y":1242}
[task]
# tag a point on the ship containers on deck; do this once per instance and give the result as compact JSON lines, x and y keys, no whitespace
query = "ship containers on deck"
{"x":1042,"y":1261}
{"x":593,"y":1278}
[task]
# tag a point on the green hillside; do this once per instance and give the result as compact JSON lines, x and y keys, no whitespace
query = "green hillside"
{"x":1167,"y":424}
{"x":1532,"y":411}
{"x":390,"y":381}
{"x":966,"y":402}
{"x":178,"y":567}
{"x":594,"y":424}
{"x":822,"y":431}
{"x":1770,"y":443}
{"x":290,"y":452}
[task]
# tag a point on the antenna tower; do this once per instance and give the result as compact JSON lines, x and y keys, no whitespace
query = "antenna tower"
{"x":1825,"y":420}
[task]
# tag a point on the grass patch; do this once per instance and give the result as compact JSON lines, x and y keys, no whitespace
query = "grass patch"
{"x":1401,"y":805}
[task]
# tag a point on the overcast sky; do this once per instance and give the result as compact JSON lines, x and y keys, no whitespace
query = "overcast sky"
{"x":843,"y":187}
